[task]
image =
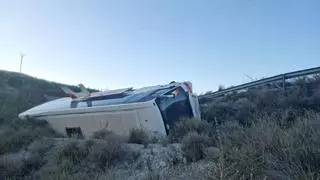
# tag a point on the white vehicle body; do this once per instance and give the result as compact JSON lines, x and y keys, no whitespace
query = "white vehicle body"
{"x":153,"y":108}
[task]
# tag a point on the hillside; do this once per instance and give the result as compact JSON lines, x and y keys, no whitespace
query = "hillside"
{"x":263,"y":133}
{"x":19,"y":92}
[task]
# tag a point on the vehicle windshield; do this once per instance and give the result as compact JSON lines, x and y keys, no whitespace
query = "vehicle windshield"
{"x":174,"y":106}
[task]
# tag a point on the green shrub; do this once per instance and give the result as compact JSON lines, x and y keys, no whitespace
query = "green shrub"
{"x":11,"y":167}
{"x":12,"y":140}
{"x":301,"y":95}
{"x":66,"y":170}
{"x":266,"y":149}
{"x":17,"y":134}
{"x":212,"y":153}
{"x":36,"y":158}
{"x":16,"y":166}
{"x":105,"y":153}
{"x":154,"y":175}
{"x":218,"y":112}
{"x":138,"y":136}
{"x":41,"y":146}
{"x":109,"y":136}
{"x":69,"y":171}
{"x":184,"y":126}
{"x":99,"y":153}
{"x":32,"y":163}
{"x":193,"y":146}
{"x":101,"y":134}
{"x":72,"y":152}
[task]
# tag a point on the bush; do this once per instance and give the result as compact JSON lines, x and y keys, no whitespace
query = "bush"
{"x":72,"y":152}
{"x":266,"y":149}
{"x":41,"y":146}
{"x":218,"y":112}
{"x":32,"y":163}
{"x":11,"y":167}
{"x":101,"y":134}
{"x":18,"y":166}
{"x":184,"y":126}
{"x":105,"y":153}
{"x":212,"y":153}
{"x":12,"y":140}
{"x":109,"y":136}
{"x":66,"y":170}
{"x":69,"y":171}
{"x":138,"y":136}
{"x":300,"y":95}
{"x":193,"y":146}
{"x":97,"y":153}
{"x":18,"y":134}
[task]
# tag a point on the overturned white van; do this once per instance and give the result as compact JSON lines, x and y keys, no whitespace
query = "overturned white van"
{"x":154,"y":108}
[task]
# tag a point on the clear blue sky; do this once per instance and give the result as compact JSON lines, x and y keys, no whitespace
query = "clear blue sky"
{"x":121,"y":43}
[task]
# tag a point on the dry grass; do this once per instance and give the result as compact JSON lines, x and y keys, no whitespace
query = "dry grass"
{"x":139,"y":136}
{"x":73,"y":152}
{"x":102,"y":134}
{"x":19,"y":134}
{"x":17,"y":166}
{"x":193,"y":146}
{"x":104,"y":154}
{"x":266,"y":149}
{"x":186,"y":125}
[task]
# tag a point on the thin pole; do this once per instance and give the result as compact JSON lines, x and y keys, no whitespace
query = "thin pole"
{"x":21,"y":60}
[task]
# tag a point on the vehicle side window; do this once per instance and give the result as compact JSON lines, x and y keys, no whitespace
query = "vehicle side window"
{"x":82,"y":104}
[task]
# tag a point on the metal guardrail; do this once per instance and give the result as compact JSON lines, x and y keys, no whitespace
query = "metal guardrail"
{"x":281,"y":77}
